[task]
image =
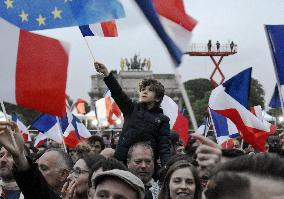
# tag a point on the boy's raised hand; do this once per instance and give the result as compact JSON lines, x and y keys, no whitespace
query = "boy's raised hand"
{"x":101,"y":68}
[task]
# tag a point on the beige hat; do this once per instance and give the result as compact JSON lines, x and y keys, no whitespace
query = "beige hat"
{"x":125,"y":176}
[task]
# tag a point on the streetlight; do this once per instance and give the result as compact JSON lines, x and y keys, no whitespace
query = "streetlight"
{"x":281,"y":119}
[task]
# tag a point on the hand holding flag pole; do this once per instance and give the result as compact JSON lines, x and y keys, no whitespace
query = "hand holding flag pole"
{"x":10,"y":130}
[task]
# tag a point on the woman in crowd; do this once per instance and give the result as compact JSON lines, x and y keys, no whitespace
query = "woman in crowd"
{"x":181,"y":182}
{"x":77,"y":185}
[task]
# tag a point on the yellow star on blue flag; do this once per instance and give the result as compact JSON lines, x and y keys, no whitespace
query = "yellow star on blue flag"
{"x":48,"y":14}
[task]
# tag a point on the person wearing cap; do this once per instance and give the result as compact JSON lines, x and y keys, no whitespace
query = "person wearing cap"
{"x":117,"y":184}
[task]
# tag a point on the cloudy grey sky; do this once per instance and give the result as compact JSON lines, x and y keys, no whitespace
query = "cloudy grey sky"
{"x":224,"y":20}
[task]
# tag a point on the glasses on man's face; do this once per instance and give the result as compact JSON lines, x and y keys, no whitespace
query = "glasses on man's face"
{"x":77,"y":172}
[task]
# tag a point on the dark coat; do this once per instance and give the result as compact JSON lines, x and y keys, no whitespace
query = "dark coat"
{"x":140,"y":125}
{"x":32,"y":183}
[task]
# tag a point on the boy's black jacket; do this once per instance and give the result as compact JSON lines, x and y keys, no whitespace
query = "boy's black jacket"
{"x":140,"y":124}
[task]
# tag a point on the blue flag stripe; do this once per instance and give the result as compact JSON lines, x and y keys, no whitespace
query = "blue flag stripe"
{"x":276,"y":40}
{"x":86,"y":31}
{"x":150,"y":13}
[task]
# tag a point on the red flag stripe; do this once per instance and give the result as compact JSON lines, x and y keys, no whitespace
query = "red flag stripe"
{"x":109,"y":29}
{"x":41,"y":73}
{"x":174,"y":11}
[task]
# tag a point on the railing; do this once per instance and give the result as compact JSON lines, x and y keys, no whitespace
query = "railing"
{"x":201,"y":47}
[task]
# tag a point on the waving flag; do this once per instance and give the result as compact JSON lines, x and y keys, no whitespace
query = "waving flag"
{"x":33,"y":70}
{"x":22,"y":128}
{"x":79,"y":107}
{"x":204,"y":127}
{"x":252,"y":129}
{"x":103,"y":29}
{"x":177,"y":22}
{"x":48,"y":125}
{"x":39,"y":15}
{"x":40,"y":140}
{"x":275,"y":36}
{"x":178,"y":122}
{"x":275,"y":99}
{"x":224,"y":128}
{"x":237,"y":87}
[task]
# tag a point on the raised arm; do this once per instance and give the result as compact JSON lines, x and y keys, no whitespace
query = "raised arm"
{"x":17,"y":149}
{"x":123,"y":101}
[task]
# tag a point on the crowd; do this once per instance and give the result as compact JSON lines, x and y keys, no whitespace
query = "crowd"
{"x":148,"y":161}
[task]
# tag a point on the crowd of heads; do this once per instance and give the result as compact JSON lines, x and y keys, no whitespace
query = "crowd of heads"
{"x":91,"y":168}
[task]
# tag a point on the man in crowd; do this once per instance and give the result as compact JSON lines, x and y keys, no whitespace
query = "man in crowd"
{"x":96,"y":144}
{"x":29,"y":177}
{"x":55,"y":165}
{"x":140,"y":162}
{"x":248,"y":177}
{"x":9,"y":188}
{"x":117,"y":184}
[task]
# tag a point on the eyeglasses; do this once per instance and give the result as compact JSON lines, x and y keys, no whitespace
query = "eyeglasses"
{"x":77,"y":172}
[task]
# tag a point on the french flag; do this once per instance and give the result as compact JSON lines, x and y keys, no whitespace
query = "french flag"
{"x":73,"y":130}
{"x":40,"y":140}
{"x":178,"y":122}
{"x":103,"y":29}
{"x":275,"y":101}
{"x":275,"y":36}
{"x":48,"y":125}
{"x":107,"y":110}
{"x":79,"y":106}
{"x":204,"y":127}
{"x":253,"y":130}
{"x":22,"y":128}
{"x":237,"y":87}
{"x":33,"y":70}
{"x":171,"y":23}
{"x":225,"y":130}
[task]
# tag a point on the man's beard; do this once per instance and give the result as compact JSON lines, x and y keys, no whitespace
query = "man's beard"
{"x":6,"y":175}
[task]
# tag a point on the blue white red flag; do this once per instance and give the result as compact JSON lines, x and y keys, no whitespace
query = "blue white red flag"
{"x":176,"y":27}
{"x":237,"y":87}
{"x":204,"y":127}
{"x":275,"y":99}
{"x":253,"y":130}
{"x":223,"y":127}
{"x":178,"y":122}
{"x":103,"y":29}
{"x":49,"y":126}
{"x":40,"y":140}
{"x":22,"y":128}
{"x":39,"y":15}
{"x":33,"y":69}
{"x":75,"y":131}
{"x":275,"y":36}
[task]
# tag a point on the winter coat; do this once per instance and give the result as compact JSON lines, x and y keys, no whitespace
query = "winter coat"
{"x":140,"y":124}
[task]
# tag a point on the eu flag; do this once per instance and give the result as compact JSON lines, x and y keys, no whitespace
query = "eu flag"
{"x":47,"y":14}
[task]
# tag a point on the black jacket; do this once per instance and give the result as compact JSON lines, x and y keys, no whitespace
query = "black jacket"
{"x":140,"y":125}
{"x":32,"y":183}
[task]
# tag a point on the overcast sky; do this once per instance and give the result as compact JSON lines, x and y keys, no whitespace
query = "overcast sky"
{"x":224,"y":20}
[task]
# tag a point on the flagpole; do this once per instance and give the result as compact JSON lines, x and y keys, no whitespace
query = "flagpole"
{"x":10,"y":130}
{"x":92,"y":54}
{"x":275,"y":70}
{"x":186,"y":99}
{"x":60,"y":131}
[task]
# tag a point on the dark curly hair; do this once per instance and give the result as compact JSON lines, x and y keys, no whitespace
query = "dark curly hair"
{"x":155,"y":86}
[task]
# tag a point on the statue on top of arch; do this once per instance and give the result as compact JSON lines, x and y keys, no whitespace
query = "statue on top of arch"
{"x":135,"y":64}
